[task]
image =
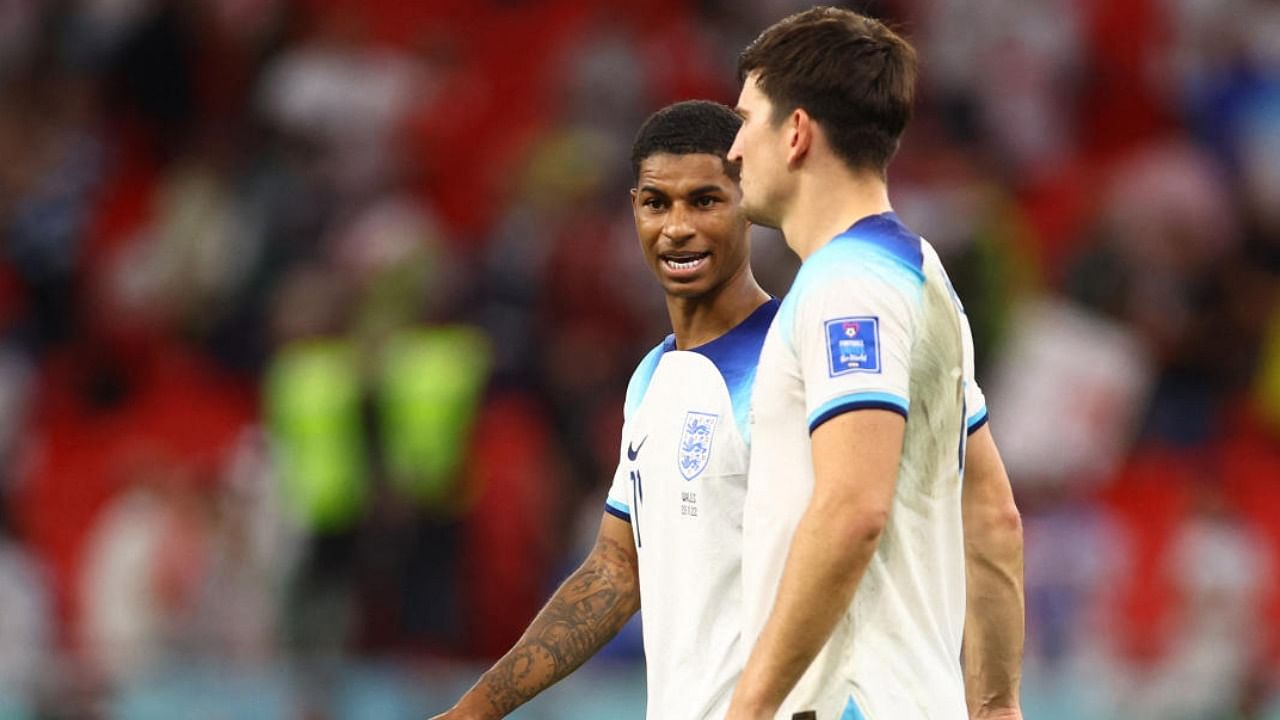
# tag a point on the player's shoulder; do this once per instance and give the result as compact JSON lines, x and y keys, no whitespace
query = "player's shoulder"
{"x":876,"y":267}
{"x":643,"y":374}
{"x":740,"y":346}
{"x":875,"y":247}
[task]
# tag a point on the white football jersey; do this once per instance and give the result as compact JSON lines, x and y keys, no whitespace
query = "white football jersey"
{"x":871,"y":322}
{"x":681,"y":480}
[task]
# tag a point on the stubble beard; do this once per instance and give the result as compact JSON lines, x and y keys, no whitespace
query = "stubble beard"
{"x":759,"y":211}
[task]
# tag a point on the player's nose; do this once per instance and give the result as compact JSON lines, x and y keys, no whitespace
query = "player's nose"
{"x":735,"y":151}
{"x":677,"y":226}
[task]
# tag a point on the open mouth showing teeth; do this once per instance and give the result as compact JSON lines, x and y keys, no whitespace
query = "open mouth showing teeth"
{"x":684,"y":262}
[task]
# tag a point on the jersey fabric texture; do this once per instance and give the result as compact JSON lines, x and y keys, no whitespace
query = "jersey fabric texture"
{"x":871,"y":322}
{"x":681,"y":480}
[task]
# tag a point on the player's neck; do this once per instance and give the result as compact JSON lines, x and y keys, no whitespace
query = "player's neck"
{"x":698,"y":321}
{"x":826,"y":204}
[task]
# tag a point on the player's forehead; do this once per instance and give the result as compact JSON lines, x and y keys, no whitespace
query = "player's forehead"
{"x":751,"y":99}
{"x":683,"y":172}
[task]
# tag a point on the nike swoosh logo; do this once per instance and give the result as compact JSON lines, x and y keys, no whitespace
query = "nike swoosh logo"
{"x":634,"y":452}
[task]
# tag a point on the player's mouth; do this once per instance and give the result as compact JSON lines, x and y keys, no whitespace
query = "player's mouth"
{"x":683,"y":264}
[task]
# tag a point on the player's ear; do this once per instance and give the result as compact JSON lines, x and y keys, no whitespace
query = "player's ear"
{"x":800,"y":129}
{"x":634,"y":194}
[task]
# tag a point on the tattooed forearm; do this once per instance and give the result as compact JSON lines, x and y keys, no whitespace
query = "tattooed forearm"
{"x":585,"y":613}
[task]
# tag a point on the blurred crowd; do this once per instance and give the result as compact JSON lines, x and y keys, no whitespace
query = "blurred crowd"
{"x":316,"y":318}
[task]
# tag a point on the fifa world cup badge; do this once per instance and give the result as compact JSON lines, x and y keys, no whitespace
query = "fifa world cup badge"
{"x":853,"y":345}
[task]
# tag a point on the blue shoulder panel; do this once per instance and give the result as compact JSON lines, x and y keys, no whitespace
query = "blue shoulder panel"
{"x":639,"y":383}
{"x":887,"y":234}
{"x":736,"y":355}
{"x":878,"y":243}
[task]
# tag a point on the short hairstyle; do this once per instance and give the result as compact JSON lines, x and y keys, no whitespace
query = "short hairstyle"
{"x":685,"y":128}
{"x":851,"y":73}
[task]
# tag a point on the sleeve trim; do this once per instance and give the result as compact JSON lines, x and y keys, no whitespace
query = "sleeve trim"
{"x":977,"y":420}
{"x":618,"y":510}
{"x":857,"y":401}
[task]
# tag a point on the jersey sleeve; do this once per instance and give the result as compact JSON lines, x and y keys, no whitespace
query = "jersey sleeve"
{"x":853,"y":334}
{"x":975,"y":402}
{"x":618,"y":502}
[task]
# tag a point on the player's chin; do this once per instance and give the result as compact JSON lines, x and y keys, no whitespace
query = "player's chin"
{"x":686,"y":288}
{"x":758,"y":214}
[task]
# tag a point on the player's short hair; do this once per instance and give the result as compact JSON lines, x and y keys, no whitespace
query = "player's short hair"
{"x":851,"y":73}
{"x":686,"y":128}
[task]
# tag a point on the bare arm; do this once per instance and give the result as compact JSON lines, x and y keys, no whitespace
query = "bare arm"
{"x":993,"y":627}
{"x":585,"y":613}
{"x":855,"y":464}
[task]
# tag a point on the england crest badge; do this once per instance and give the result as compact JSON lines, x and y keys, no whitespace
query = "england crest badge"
{"x":695,"y":443}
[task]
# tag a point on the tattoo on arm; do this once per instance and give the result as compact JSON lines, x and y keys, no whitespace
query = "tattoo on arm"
{"x":585,"y":613}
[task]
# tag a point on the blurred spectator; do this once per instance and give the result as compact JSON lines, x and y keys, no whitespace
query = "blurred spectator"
{"x":313,"y":406}
{"x":345,"y":95}
{"x":27,"y":632}
{"x":147,"y":559}
{"x":1007,"y":78}
{"x":1217,"y":570}
{"x":1077,"y":555}
{"x":1067,"y":388}
{"x":15,"y":392}
{"x":54,"y":165}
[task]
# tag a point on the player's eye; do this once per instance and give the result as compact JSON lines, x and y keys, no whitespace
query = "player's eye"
{"x":653,"y":203}
{"x":706,"y":201}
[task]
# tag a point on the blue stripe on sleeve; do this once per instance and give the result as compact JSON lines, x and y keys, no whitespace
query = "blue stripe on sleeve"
{"x":977,"y":420}
{"x":617,"y":509}
{"x":857,"y":401}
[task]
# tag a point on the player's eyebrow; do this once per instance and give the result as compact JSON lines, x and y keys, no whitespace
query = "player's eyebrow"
{"x":706,"y":189}
{"x":652,"y":189}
